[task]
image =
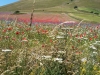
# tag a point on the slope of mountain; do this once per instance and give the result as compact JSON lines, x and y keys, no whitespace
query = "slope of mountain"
{"x":42,"y":4}
{"x":86,"y":9}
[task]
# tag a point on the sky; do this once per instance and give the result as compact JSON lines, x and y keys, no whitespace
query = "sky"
{"x":5,"y":2}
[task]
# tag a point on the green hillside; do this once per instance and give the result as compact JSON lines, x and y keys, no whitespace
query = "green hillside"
{"x":91,"y":8}
{"x":28,"y":4}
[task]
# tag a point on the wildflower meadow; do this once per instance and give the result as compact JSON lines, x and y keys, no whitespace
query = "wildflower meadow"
{"x":49,"y":48}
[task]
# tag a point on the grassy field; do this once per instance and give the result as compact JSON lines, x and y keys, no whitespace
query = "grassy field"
{"x":52,"y":45}
{"x":86,"y":16}
{"x":48,"y":49}
{"x":59,"y":6}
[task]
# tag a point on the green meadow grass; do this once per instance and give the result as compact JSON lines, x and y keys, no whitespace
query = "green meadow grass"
{"x":86,"y":16}
{"x":49,"y":49}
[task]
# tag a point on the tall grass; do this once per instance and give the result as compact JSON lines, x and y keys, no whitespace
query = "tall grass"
{"x":26,"y":50}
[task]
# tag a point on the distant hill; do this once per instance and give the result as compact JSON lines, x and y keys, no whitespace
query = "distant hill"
{"x":86,"y":9}
{"x":27,"y":5}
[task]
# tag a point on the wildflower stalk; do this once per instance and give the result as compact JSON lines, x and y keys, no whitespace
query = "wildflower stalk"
{"x":32,"y":14}
{"x":6,"y":60}
{"x":75,"y":30}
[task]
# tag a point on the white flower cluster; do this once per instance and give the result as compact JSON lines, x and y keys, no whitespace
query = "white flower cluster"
{"x":6,"y":50}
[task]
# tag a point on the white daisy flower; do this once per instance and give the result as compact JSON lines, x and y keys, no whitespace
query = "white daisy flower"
{"x":59,"y":37}
{"x":58,"y":59}
{"x":92,"y":47}
{"x":46,"y":57}
{"x":61,"y":33}
{"x":84,"y":59}
{"x":95,"y":52}
{"x":62,"y":52}
{"x":97,"y":41}
{"x":6,"y":50}
{"x":41,"y":64}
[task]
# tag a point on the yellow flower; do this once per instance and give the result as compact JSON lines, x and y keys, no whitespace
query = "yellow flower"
{"x":99,"y":71}
{"x":95,"y":67}
{"x":83,"y":70}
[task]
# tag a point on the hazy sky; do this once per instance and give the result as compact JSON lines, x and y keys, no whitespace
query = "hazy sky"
{"x":5,"y":2}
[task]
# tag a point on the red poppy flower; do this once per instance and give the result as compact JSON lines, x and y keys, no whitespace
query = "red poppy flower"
{"x":73,"y":47}
{"x":24,"y":39}
{"x":11,"y":47}
{"x":17,"y":32}
{"x":14,"y":39}
{"x":95,"y":36}
{"x":10,"y":28}
{"x":22,"y":32}
{"x":43,"y":45}
{"x":28,"y":29}
{"x":81,"y":35}
{"x":84,"y":34}
{"x":44,"y":32}
{"x":39,"y":30}
{"x":90,"y":39}
{"x":76,"y":35}
{"x":4,"y":30}
{"x":78,"y":53}
{"x":51,"y":40}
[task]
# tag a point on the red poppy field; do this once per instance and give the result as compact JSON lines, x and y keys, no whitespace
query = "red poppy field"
{"x":53,"y":45}
{"x":38,"y":17}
